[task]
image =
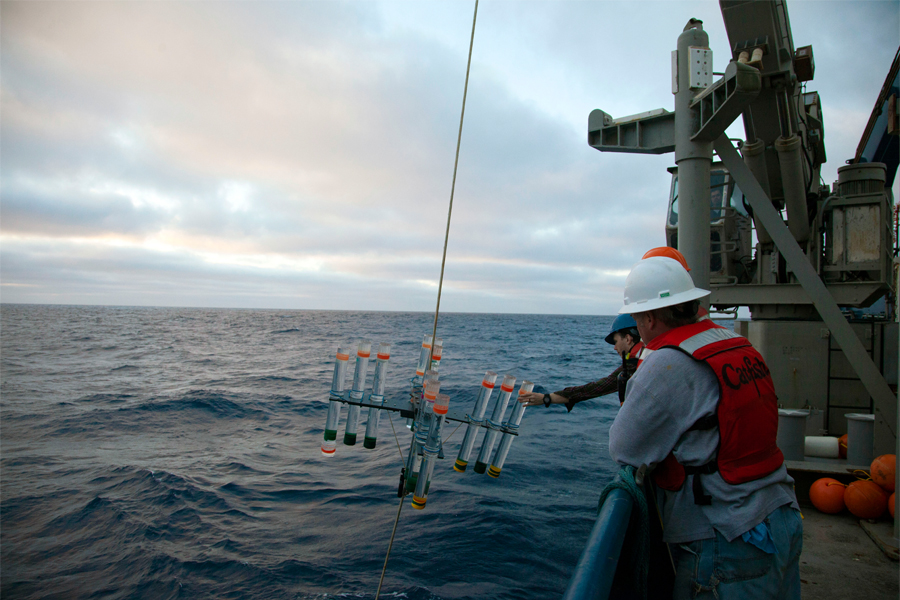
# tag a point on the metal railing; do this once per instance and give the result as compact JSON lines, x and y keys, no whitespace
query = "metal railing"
{"x":596,"y":569}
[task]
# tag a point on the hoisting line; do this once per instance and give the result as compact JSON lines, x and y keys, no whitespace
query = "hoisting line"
{"x":437,"y":308}
{"x":462,"y":115}
{"x":396,"y":521}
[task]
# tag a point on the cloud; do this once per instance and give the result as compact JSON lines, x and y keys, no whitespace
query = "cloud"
{"x":301,"y":154}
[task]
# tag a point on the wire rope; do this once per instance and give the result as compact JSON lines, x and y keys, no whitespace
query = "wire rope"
{"x":396,"y":439}
{"x":388,"y":555}
{"x":462,"y":116}
{"x":437,"y":308}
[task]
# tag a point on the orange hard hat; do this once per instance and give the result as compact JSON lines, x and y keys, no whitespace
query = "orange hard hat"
{"x":667,"y":252}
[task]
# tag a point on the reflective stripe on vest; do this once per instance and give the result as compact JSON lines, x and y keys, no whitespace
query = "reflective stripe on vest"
{"x":635,"y":351}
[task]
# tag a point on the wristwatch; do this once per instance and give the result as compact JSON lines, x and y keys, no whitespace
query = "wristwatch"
{"x":547,"y":400}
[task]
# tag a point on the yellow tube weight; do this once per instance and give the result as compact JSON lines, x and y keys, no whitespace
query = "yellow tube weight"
{"x":460,"y":466}
{"x":493,"y":472}
{"x":418,"y":503}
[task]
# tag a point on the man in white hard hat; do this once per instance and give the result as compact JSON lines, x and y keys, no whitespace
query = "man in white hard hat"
{"x":701,"y":412}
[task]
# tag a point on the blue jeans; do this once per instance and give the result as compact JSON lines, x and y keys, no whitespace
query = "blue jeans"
{"x":736,"y":570}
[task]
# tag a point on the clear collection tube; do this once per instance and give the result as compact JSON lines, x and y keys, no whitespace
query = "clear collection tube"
{"x":356,"y":392}
{"x":496,"y":420}
{"x":424,"y":418}
{"x":436,"y":354}
{"x":334,"y":405}
{"x":414,"y":465}
{"x":481,"y":402}
{"x":430,"y":451}
{"x":506,"y":441}
{"x":422,"y":365}
{"x":377,"y":396}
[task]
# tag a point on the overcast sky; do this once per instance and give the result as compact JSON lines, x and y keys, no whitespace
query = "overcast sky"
{"x":300,"y":154}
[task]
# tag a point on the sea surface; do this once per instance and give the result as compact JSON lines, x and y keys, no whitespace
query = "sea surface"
{"x":174,"y":453}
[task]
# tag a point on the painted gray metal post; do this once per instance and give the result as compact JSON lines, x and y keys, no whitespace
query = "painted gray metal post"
{"x":693,"y":158}
{"x":884,"y":399}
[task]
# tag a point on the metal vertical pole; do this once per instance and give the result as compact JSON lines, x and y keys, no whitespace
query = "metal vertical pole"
{"x":694,"y":160}
{"x":897,"y":431}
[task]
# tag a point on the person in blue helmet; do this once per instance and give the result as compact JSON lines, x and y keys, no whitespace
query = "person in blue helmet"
{"x":624,"y":337}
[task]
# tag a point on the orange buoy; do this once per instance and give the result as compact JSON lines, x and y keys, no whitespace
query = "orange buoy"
{"x":882,"y":471}
{"x":891,"y":501}
{"x":865,"y":499}
{"x":827,"y":495}
{"x":842,"y":446}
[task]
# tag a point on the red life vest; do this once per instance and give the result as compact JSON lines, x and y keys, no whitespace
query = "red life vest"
{"x":631,"y":359}
{"x":746,"y":414}
{"x":635,"y":351}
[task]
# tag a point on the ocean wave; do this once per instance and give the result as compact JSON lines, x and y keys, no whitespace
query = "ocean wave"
{"x":203,"y":401}
{"x":194,"y":471}
{"x":107,"y":398}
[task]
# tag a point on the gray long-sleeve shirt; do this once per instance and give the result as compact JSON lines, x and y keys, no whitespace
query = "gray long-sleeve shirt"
{"x":665,"y":397}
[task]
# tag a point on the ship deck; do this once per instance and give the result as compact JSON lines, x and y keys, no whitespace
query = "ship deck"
{"x":843,"y":557}
{"x":840,"y":560}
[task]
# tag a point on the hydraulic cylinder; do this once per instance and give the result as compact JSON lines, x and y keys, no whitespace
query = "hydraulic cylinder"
{"x":494,"y":424}
{"x":334,"y":404}
{"x":475,"y":420}
{"x":357,"y":390}
{"x":377,"y":396}
{"x":754,"y":154}
{"x":513,"y":424}
{"x":792,"y":181}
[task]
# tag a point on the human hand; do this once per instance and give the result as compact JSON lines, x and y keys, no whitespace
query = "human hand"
{"x":537,"y":399}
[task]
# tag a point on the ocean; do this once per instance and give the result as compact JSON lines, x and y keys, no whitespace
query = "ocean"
{"x":174,"y":453}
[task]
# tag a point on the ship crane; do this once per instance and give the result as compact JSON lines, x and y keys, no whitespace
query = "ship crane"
{"x":804,"y":276}
{"x":835,"y":249}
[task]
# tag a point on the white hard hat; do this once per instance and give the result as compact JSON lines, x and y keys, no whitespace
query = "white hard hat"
{"x":657,"y":282}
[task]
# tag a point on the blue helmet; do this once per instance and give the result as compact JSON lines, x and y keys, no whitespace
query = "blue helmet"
{"x":622,"y":322}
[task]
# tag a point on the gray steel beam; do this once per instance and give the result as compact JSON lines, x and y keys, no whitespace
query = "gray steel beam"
{"x":653,"y":133}
{"x":885,"y":401}
{"x":845,"y":294}
{"x":723,"y":102}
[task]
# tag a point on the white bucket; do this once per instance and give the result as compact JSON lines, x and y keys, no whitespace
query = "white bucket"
{"x":792,"y":432}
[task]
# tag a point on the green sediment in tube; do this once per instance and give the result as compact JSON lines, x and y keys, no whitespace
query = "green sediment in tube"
{"x":475,"y":419}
